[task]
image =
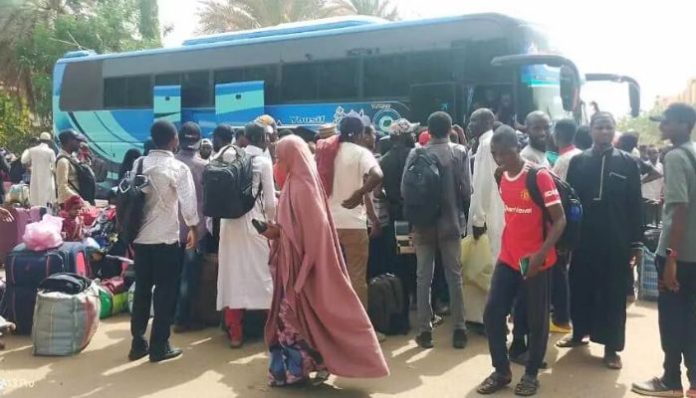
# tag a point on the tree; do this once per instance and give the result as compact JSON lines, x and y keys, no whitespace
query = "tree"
{"x":15,"y":123}
{"x":376,"y":8}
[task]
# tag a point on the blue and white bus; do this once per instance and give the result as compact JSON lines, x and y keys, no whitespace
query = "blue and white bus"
{"x":313,"y":73}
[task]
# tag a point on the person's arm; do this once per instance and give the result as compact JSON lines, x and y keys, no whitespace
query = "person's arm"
{"x":552,"y":202}
{"x":650,"y":172}
{"x":676,"y":192}
{"x":484,"y":166}
{"x":634,"y":205}
{"x":186,"y":193}
{"x":370,"y":167}
{"x":5,"y":215}
{"x":26,"y":158}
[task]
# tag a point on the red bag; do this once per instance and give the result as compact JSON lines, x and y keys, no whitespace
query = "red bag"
{"x":115,"y":285}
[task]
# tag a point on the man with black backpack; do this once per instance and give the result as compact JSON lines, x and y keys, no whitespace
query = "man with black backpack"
{"x":157,"y":251}
{"x":436,"y":188}
{"x":72,"y":176}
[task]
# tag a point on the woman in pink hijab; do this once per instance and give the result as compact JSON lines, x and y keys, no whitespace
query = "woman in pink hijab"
{"x":316,"y":322}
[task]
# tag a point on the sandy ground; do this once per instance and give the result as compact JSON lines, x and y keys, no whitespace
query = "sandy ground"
{"x":209,"y":368}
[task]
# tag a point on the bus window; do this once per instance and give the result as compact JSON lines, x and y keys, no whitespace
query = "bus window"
{"x":115,"y":92}
{"x":299,"y":82}
{"x":139,"y":91}
{"x":387,"y":76}
{"x":431,"y":67}
{"x":338,"y":79}
{"x":170,"y":79}
{"x":268,"y":74}
{"x":229,"y":76}
{"x":195,"y":90}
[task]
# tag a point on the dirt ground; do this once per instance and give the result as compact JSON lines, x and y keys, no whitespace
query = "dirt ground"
{"x":210,"y":369}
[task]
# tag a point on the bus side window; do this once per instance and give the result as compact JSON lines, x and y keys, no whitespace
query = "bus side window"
{"x":338,"y":79}
{"x":386,"y":76}
{"x":299,"y":82}
{"x":195,"y":90}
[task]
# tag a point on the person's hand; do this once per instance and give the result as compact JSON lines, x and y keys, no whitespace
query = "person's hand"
{"x":669,"y":276}
{"x":636,"y":257}
{"x":192,"y":239}
{"x":536,"y":261}
{"x":354,"y":201}
{"x":478,"y":231}
{"x":375,"y":231}
{"x":272,"y":231}
{"x":5,"y":215}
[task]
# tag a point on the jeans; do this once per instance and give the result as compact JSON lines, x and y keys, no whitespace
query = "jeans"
{"x":158,"y":265}
{"x":451,"y":262}
{"x":677,"y":318}
{"x":507,"y":284}
{"x":189,"y":283}
{"x":356,"y":246}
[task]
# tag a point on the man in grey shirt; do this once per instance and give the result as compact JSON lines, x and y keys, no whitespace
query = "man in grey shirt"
{"x":676,"y":257}
{"x":446,"y":233}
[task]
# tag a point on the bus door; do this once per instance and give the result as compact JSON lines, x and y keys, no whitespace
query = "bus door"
{"x":167,"y":103}
{"x":633,"y":87}
{"x":428,"y":98}
{"x":239,"y":103}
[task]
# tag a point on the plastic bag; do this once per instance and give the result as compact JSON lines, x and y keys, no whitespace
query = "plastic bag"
{"x":45,"y":234}
{"x":477,"y":262}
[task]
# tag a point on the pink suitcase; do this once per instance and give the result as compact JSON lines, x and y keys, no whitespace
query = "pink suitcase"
{"x":11,"y":233}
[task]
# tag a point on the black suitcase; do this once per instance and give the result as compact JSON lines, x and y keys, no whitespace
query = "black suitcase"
{"x":18,"y":307}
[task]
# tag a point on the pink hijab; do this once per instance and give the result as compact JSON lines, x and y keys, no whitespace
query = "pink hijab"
{"x":310,"y":273}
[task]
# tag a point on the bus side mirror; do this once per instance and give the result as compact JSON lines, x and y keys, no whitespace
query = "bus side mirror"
{"x":634,"y":97}
{"x":570,"y":88}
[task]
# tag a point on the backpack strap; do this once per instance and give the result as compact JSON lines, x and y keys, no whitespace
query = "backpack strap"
{"x":535,"y":194}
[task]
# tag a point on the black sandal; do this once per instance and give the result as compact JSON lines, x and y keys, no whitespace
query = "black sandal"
{"x":571,"y":342}
{"x":494,"y":383}
{"x":527,"y":387}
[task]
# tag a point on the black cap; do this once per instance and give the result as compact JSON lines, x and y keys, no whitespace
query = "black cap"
{"x":67,"y":135}
{"x":189,"y":135}
{"x":678,"y":113}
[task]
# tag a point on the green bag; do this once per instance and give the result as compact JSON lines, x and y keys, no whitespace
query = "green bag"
{"x":120,"y":303}
{"x":107,"y":303}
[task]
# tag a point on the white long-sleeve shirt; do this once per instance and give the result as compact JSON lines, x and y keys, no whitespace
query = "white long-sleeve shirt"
{"x":42,"y":188}
{"x":171,"y":188}
{"x":486,"y":204}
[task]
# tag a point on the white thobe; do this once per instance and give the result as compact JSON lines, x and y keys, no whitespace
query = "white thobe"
{"x":42,"y":187}
{"x":486,"y":209}
{"x":244,"y":276}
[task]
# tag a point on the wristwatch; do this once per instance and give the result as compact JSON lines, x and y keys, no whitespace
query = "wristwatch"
{"x":671,"y":253}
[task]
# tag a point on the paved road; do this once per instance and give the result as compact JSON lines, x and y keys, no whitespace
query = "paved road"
{"x":209,"y":369}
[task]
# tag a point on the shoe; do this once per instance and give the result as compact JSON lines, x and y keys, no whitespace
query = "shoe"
{"x":612,"y":361}
{"x":494,"y":383}
{"x":528,"y":386}
{"x":459,"y":339}
{"x":138,"y":351}
{"x":168,"y":353}
{"x":656,"y":388}
{"x":560,"y":329}
{"x":381,"y":337}
{"x":425,"y":340}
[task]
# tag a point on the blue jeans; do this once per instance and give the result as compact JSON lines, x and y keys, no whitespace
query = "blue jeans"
{"x":189,"y":282}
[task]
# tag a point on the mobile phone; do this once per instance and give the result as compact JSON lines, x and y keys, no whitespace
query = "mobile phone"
{"x":260,"y":226}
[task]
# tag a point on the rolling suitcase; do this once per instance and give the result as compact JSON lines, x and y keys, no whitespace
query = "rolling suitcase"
{"x":28,"y":268}
{"x":18,"y":307}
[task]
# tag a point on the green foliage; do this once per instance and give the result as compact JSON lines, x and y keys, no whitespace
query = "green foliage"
{"x":648,"y":130}
{"x":15,"y":123}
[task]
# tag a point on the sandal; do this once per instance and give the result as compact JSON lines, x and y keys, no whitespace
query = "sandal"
{"x":527,"y":387}
{"x":613,"y":361}
{"x":494,"y":383}
{"x":320,"y":378}
{"x":571,"y":342}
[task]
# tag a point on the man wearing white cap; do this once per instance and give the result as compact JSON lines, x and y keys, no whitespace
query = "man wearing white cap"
{"x":42,"y":159}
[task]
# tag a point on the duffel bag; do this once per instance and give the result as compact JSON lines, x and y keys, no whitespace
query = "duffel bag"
{"x":64,"y":324}
{"x":28,"y":268}
{"x":119,"y":303}
{"x":106,"y":303}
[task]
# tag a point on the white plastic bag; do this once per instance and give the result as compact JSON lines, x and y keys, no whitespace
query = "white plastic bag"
{"x":477,"y":262}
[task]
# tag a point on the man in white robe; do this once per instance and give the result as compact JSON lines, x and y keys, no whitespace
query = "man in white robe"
{"x":42,"y":159}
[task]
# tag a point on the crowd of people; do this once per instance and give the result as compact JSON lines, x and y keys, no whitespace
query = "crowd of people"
{"x":324,"y":222}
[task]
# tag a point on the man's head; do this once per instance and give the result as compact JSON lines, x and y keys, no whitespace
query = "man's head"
{"x":369,"y":138}
{"x":653,"y":154}
{"x":351,"y":128}
{"x":538,"y":129}
{"x":206,"y":149}
{"x":505,"y":147}
{"x":164,"y":135}
{"x":627,"y":142}
{"x":564,"y":132}
{"x":677,"y":122}
{"x":45,"y":137}
{"x":440,"y":124}
{"x":240,"y":138}
{"x":603,"y":129}
{"x":481,"y":121}
{"x":222,"y":136}
{"x":256,"y":134}
{"x":70,"y":140}
{"x":189,"y":136}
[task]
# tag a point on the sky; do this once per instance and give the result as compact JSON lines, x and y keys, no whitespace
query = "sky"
{"x":650,"y":40}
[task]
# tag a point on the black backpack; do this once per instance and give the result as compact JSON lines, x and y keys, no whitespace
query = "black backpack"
{"x":422,"y":189}
{"x":227,"y":186}
{"x":572,"y":207}
{"x":65,"y":282}
{"x":85,"y":179}
{"x":130,"y":204}
{"x":386,"y":304}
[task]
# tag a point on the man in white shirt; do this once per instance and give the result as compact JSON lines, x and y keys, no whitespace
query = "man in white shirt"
{"x":486,"y":212}
{"x":42,"y":159}
{"x":652,"y":191}
{"x":538,"y":126}
{"x":564,"y":135}
{"x":351,"y":165}
{"x":157,"y":251}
